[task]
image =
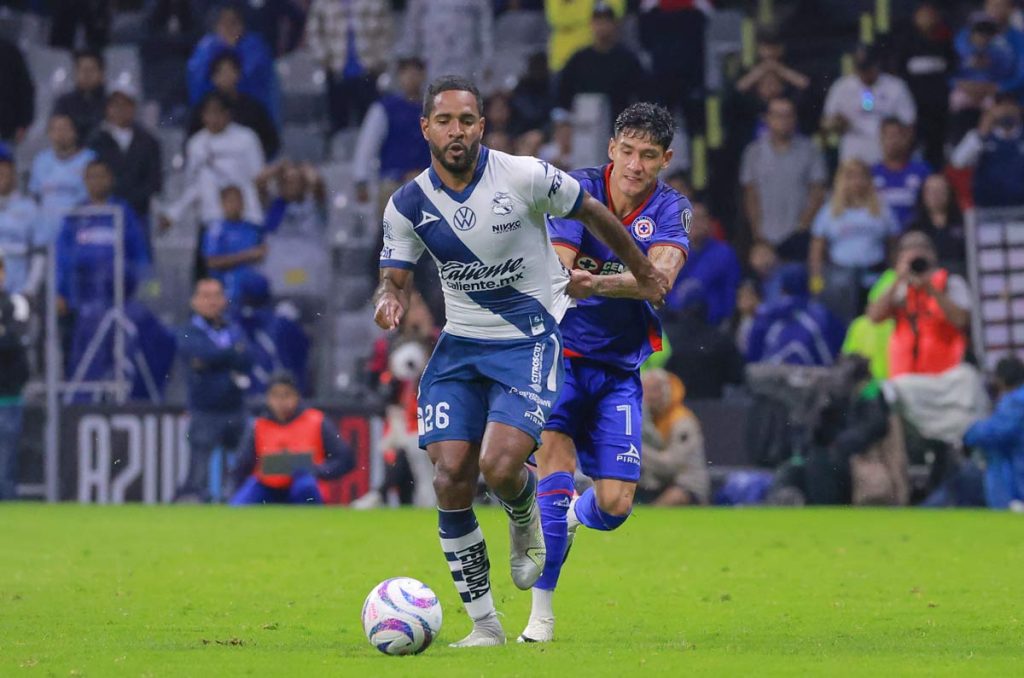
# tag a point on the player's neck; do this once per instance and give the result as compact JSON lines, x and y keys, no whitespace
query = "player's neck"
{"x":622,"y":205}
{"x":455,"y":181}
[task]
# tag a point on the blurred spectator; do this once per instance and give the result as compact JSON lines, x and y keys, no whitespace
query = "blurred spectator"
{"x":498,"y":112}
{"x":606,"y":67}
{"x":233,"y":246}
{"x":1001,"y":438}
{"x":857,"y":103}
{"x":672,"y":33}
{"x":763,"y":262}
{"x":229,"y":35}
{"x":276,"y":340}
{"x":938,"y":216}
{"x":703,"y":356}
{"x":771,"y":54}
{"x":924,"y":58}
{"x":569,"y":21}
{"x":226,"y":73}
{"x":748,"y":300}
{"x":558,"y":151}
{"x":500,"y":140}
{"x":353,"y":39}
{"x":171,"y":30}
{"x":86,"y":103}
{"x":996,"y":152}
{"x":675,"y":469}
{"x":794,"y":329}
{"x":216,"y":356}
{"x":991,"y":56}
{"x":898,"y":178}
{"x":391,"y":138}
{"x":17,"y":106}
{"x":532,"y":99}
{"x":221,"y":154}
{"x":21,"y":238}
{"x":15,"y":313}
{"x":288,"y":450}
{"x":278,"y":22}
{"x":57,"y":179}
{"x":931,"y":309}
{"x":94,"y":17}
{"x":464,"y":27}
{"x":868,"y":339}
{"x":852,"y":233}
{"x":130,"y":150}
{"x":783,"y":177}
{"x":87,"y":241}
{"x":712,"y":271}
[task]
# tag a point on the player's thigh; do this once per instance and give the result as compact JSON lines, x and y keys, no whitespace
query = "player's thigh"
{"x":615,"y":431}
{"x":556,"y":454}
{"x":452,"y":402}
{"x":504,"y":450}
{"x":456,"y":469}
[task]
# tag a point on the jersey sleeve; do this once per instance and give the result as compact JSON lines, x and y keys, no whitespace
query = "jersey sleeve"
{"x":553,"y":191}
{"x":673,"y":224}
{"x":567,"y":232}
{"x":402,"y":247}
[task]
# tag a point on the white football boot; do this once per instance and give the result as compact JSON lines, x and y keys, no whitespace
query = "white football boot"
{"x":487,"y":632}
{"x":542,"y":629}
{"x":526,"y":552}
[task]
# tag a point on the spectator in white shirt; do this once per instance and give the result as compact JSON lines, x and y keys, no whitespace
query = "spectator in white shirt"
{"x":223,"y":153}
{"x":857,"y":104}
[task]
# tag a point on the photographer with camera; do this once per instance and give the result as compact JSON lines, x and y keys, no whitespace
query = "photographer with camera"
{"x":930,"y":307}
{"x":996,"y":152}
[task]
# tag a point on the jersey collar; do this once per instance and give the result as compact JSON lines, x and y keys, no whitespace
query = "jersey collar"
{"x":463,"y":195}
{"x":628,"y":219}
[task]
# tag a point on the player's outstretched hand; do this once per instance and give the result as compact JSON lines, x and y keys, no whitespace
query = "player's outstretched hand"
{"x":389,"y":312}
{"x":653,"y":285}
{"x":581,"y":285}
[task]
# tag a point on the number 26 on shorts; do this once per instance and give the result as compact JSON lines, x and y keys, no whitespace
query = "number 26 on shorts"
{"x":430,"y":417}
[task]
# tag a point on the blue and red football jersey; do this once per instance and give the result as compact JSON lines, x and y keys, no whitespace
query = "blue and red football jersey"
{"x":621,"y":333}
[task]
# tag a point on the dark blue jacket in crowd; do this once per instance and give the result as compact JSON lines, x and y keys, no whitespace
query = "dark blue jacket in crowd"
{"x":1001,"y":438}
{"x":999,"y":175}
{"x":85,"y":260}
{"x":404,"y":150}
{"x":795,"y":331}
{"x":277,"y":344}
{"x":217,"y":362}
{"x":258,"y":77}
{"x":714,"y":272}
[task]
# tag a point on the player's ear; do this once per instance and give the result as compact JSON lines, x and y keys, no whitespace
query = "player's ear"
{"x":666,"y":158}
{"x":611,"y":149}
{"x":424,"y":123}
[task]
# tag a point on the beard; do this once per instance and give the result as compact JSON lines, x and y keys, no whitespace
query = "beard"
{"x":462,"y":164}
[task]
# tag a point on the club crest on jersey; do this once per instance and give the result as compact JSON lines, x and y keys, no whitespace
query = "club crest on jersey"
{"x":465,"y":219}
{"x":501,"y":204}
{"x":586,"y":264}
{"x":643,"y":228}
{"x":686,"y":217}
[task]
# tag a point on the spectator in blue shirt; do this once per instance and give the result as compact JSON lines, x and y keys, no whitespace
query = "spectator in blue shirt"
{"x":991,"y":56}
{"x":1001,"y":438}
{"x":85,"y":247}
{"x":217,"y":359}
{"x":712,"y":269}
{"x":229,"y":35}
{"x":850,"y":239}
{"x":996,"y":152}
{"x":57,"y":180}
{"x":233,"y":246}
{"x":21,"y":239}
{"x":898,"y":178}
{"x":794,"y":329}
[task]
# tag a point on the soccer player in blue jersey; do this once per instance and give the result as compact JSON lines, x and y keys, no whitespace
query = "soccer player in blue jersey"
{"x":497,"y":368}
{"x":611,"y":331}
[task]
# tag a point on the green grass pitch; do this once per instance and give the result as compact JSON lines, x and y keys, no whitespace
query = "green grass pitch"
{"x":211,"y":591}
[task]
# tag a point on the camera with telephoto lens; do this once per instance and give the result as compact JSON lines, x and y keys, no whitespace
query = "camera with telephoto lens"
{"x":919,"y":265}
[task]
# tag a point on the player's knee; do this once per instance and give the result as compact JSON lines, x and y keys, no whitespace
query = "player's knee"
{"x":450,"y":482}
{"x":620,"y":505}
{"x":499,"y":469}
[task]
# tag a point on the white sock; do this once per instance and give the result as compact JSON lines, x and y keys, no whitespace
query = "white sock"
{"x":542,"y":604}
{"x":471,"y":570}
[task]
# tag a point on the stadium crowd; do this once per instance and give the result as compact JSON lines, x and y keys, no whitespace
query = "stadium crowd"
{"x":828,"y":237}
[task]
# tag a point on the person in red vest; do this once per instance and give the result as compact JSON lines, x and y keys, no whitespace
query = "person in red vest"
{"x":930,"y":306}
{"x":287,"y":453}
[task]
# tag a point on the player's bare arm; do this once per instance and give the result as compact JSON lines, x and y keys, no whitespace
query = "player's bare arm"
{"x":392,"y":297}
{"x":667,"y":259}
{"x":652,"y":283}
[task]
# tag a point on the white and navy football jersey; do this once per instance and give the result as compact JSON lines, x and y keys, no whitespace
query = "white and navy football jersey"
{"x":501,"y":277}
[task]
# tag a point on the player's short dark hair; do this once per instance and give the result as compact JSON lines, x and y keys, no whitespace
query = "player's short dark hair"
{"x":89,"y":53}
{"x":450,"y":83}
{"x":648,"y":121}
{"x":1010,"y":371}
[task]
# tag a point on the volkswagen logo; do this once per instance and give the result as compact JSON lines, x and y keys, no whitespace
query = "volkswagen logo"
{"x":465,"y":219}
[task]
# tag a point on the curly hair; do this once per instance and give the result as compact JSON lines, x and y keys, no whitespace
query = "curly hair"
{"x":450,"y":83}
{"x":648,"y":121}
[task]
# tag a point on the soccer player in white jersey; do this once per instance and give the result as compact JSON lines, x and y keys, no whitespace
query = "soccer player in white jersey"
{"x":497,"y":368}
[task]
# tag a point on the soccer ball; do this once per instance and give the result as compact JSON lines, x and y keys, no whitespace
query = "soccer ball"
{"x":401,"y":616}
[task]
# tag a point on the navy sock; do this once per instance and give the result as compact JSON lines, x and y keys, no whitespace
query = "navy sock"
{"x":466,"y":552}
{"x":553,"y":496}
{"x":521,"y":508}
{"x":591,"y":515}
